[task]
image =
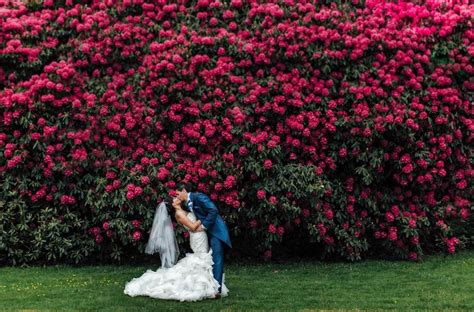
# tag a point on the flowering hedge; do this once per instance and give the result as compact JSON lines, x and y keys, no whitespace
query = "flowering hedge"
{"x":346,"y":125}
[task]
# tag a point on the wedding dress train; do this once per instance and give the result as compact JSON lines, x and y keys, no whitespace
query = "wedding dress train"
{"x":190,"y":279}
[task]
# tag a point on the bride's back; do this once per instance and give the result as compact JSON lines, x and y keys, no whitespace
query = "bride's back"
{"x":197,"y":240}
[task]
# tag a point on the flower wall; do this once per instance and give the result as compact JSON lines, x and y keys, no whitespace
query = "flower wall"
{"x":344,"y":126}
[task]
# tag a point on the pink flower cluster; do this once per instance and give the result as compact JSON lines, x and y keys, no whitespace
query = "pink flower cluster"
{"x":104,"y":106}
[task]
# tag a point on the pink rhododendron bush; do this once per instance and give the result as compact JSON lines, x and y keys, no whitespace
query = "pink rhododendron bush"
{"x":343,"y":128}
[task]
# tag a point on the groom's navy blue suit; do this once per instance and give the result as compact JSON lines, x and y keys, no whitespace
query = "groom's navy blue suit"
{"x":216,"y":229}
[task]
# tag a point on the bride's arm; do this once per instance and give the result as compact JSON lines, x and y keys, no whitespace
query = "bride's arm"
{"x":184,"y":220}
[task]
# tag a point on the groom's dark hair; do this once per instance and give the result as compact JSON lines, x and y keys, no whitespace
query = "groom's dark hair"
{"x":183,"y":185}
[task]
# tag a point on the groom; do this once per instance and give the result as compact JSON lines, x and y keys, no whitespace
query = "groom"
{"x":217,"y":232}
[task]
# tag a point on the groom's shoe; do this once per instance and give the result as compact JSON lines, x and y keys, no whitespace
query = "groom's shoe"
{"x":217,"y":296}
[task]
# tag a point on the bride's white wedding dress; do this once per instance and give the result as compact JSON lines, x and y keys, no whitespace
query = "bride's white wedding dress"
{"x":190,"y":279}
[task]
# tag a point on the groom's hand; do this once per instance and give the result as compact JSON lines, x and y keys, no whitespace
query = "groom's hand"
{"x":200,"y":229}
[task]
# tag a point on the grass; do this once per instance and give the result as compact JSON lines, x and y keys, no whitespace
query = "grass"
{"x":436,"y":283}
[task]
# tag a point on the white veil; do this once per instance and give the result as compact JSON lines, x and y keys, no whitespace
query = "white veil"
{"x":162,"y":238}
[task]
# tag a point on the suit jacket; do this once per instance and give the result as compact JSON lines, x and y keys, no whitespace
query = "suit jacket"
{"x":206,"y":211}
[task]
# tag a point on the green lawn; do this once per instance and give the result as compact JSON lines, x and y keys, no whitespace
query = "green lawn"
{"x":438,"y":282}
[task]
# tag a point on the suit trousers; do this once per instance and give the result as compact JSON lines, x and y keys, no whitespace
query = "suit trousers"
{"x":217,"y":247}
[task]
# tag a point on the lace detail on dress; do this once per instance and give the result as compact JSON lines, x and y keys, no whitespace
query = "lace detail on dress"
{"x":197,"y":240}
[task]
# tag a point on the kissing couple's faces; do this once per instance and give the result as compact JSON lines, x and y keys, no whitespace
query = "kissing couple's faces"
{"x":181,"y":194}
{"x":176,"y":201}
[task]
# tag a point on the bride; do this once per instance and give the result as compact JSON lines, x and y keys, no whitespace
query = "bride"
{"x":190,"y":279}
